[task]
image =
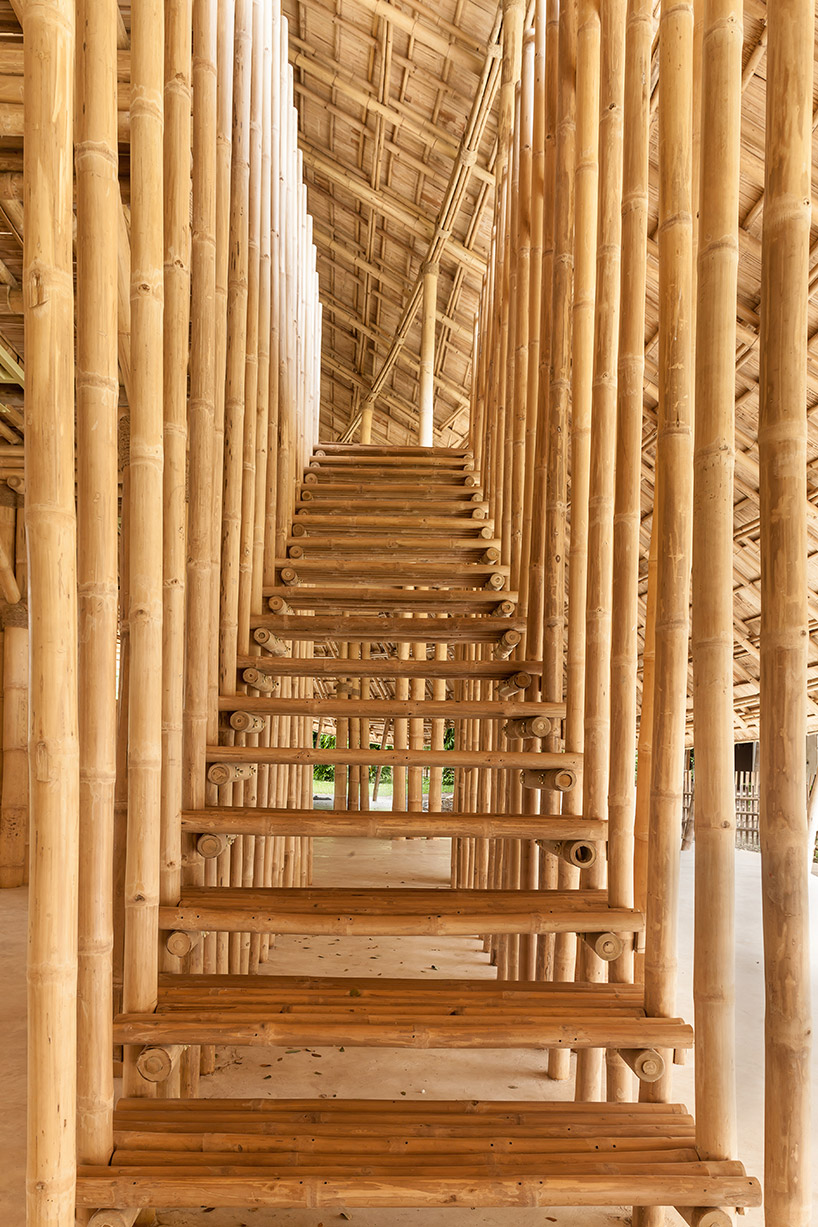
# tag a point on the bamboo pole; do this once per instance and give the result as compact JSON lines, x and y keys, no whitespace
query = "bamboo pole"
{"x":543,"y":189}
{"x":426,"y":385}
{"x":558,"y":379}
{"x":145,"y":701}
{"x":14,"y":816}
{"x":602,"y":476}
{"x":247,"y":526}
{"x":673,"y":505}
{"x":784,"y":636}
{"x":97,"y":381}
{"x":201,"y":410}
{"x":714,"y":973}
{"x":225,"y":33}
{"x":51,"y":537}
{"x":234,"y":402}
{"x":627,"y":496}
{"x":581,"y":379}
{"x":176,"y":323}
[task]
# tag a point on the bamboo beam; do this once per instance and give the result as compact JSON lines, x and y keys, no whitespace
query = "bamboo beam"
{"x":145,"y":618}
{"x":51,"y":539}
{"x":97,"y":382}
{"x":781,"y":446}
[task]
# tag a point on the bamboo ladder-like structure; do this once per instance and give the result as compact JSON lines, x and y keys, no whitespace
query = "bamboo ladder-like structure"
{"x":275,"y":585}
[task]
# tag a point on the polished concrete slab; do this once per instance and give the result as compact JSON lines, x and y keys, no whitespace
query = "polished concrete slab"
{"x":394,"y":1074}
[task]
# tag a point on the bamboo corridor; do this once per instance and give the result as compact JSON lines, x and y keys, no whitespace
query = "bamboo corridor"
{"x":412,"y":397}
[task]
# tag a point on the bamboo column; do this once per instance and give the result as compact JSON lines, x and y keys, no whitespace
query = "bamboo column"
{"x":51,"y":536}
{"x":714,"y":973}
{"x":521,"y":457}
{"x":556,"y":423}
{"x":200,"y":627}
{"x":234,"y":402}
{"x":201,"y":410}
{"x":543,"y":186}
{"x":177,"y":187}
{"x":601,"y":491}
{"x":14,"y":809}
{"x":247,"y":529}
{"x":225,"y":32}
{"x":784,"y":635}
{"x":145,"y":703}
{"x":587,"y":169}
{"x":426,"y":386}
{"x":627,"y":496}
{"x":98,"y":210}
{"x":673,"y":503}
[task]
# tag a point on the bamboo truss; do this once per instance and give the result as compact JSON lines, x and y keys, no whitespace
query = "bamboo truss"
{"x":437,"y":225}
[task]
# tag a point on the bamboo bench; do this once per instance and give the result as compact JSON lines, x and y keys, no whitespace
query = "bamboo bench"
{"x":356,"y":1153}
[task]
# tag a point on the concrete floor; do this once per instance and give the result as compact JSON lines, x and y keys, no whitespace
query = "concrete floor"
{"x":496,"y":1074}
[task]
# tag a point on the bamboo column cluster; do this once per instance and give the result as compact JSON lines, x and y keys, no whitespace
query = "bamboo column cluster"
{"x":210,"y":446}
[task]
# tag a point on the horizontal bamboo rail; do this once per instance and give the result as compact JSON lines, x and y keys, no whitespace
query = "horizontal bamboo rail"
{"x":385,"y":825}
{"x":380,"y":912}
{"x":392,"y":667}
{"x":450,"y":709}
{"x":567,"y":764}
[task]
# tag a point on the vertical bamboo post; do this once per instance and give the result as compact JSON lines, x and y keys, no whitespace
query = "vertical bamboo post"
{"x":587,"y":113}
{"x":426,"y":386}
{"x":247,"y":526}
{"x":145,"y":701}
{"x":98,"y":209}
{"x":234,"y":397}
{"x":51,"y":535}
{"x":225,"y":33}
{"x":201,"y":409}
{"x":712,"y":605}
{"x":543,"y":186}
{"x":673,"y":505}
{"x":601,"y":492}
{"x":177,"y":164}
{"x":627,"y":496}
{"x":555,"y":445}
{"x":521,"y":457}
{"x":784,"y":636}
{"x":14,"y":819}
{"x":276,"y":154}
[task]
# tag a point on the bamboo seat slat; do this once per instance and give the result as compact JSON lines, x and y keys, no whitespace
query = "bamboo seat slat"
{"x":339,"y":597}
{"x":397,"y":912}
{"x":400,"y":1014}
{"x":323,"y":666}
{"x":429,"y":709}
{"x":310,"y":629}
{"x":316,"y":1153}
{"x":394,"y":491}
{"x":386,"y":824}
{"x":400,"y":570}
{"x":496,"y":759}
